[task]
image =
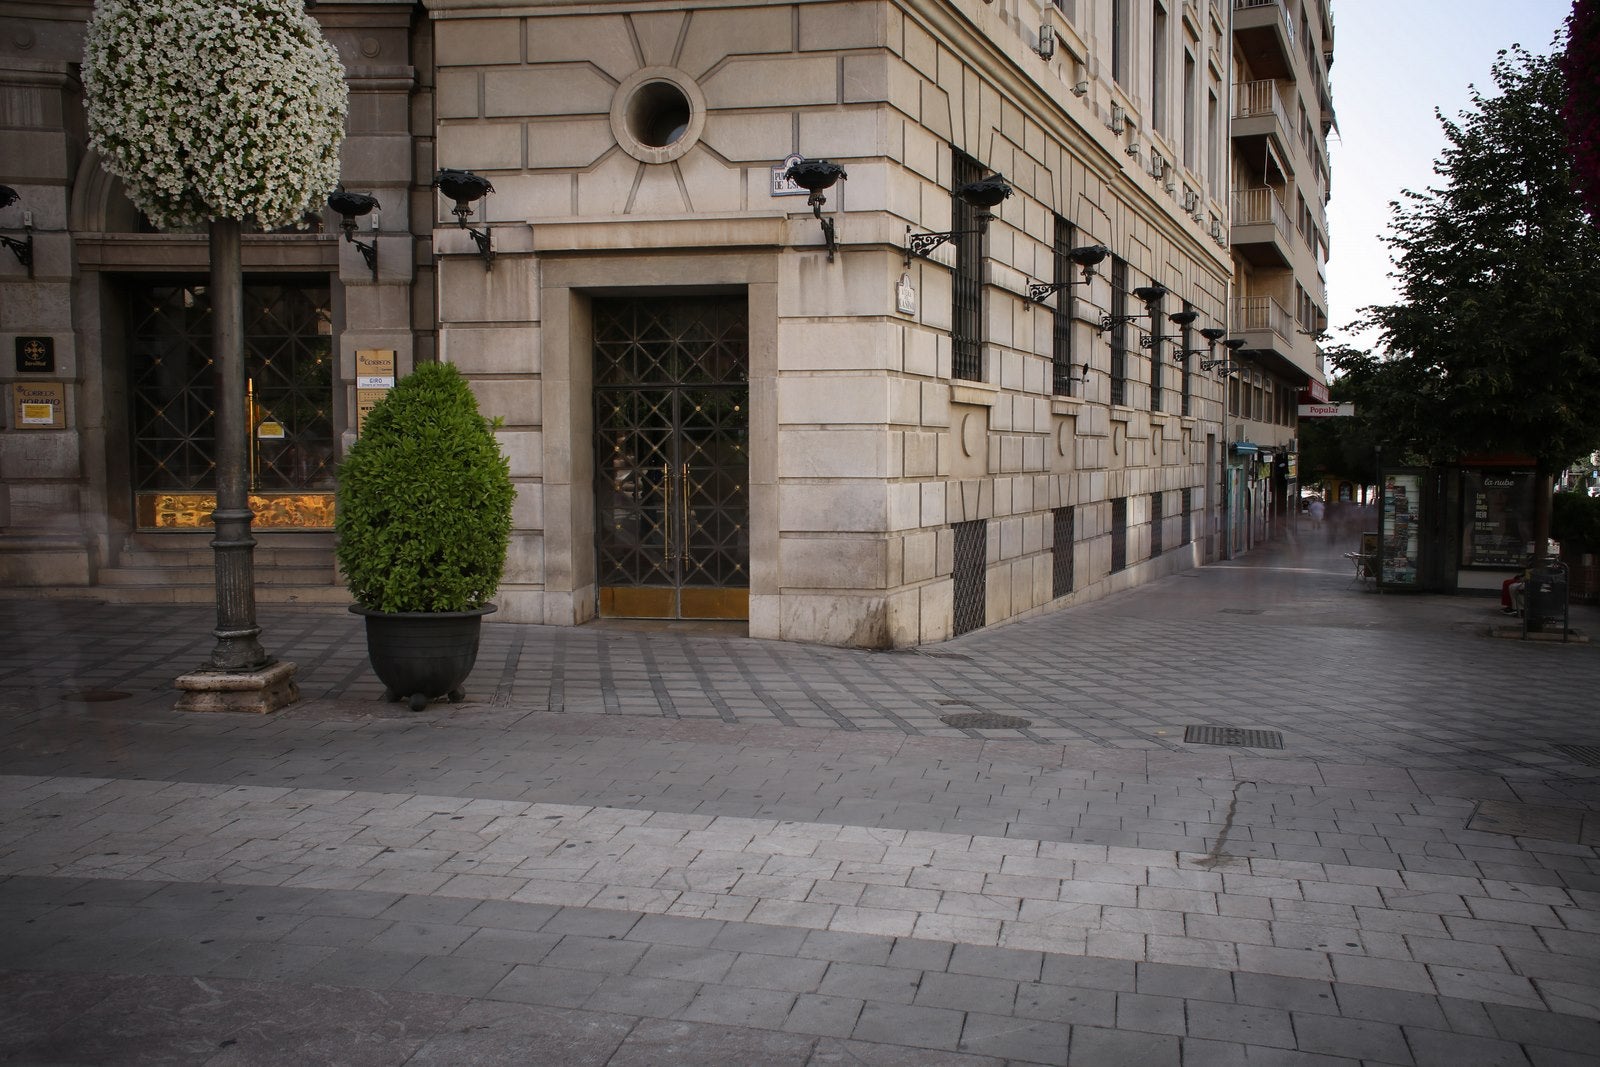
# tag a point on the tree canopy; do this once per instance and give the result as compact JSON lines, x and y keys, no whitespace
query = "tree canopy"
{"x":1580,"y":64}
{"x":1494,"y":342}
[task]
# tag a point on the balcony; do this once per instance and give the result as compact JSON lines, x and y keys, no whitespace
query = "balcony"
{"x":1261,"y":128}
{"x":1263,"y":32}
{"x":1261,"y":227}
{"x":1272,"y":338}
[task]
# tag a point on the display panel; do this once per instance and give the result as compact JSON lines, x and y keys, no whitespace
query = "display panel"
{"x":1401,"y":529}
{"x":1497,"y":523}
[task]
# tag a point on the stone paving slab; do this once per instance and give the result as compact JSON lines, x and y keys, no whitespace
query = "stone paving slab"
{"x":636,"y":847}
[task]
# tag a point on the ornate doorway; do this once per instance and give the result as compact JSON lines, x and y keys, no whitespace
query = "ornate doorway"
{"x":672,"y":418}
{"x":289,"y":362}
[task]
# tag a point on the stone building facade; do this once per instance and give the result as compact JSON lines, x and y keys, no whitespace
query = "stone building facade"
{"x":718,"y":400}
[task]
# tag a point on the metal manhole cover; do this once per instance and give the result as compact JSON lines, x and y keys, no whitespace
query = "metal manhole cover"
{"x":1233,"y":736}
{"x":1585,"y":754}
{"x":984,"y":720}
{"x":95,"y":696}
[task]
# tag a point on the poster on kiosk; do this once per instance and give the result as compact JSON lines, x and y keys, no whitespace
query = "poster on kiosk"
{"x":1400,"y":524}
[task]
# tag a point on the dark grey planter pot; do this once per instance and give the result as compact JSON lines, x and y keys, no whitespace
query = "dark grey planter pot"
{"x":423,"y":655}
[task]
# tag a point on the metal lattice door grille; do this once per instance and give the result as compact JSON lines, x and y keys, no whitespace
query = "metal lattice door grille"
{"x":288,"y":345}
{"x":971,"y":565}
{"x":672,"y":461}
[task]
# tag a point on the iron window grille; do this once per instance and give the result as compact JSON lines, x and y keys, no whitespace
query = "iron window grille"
{"x":1157,"y":520}
{"x":1187,"y":521}
{"x":1157,"y":322}
{"x":1065,"y":536}
{"x":966,"y":327}
{"x":968,"y":575}
{"x":1119,"y":534}
{"x":1061,"y":319}
{"x":1186,"y":340}
{"x":1119,"y":332}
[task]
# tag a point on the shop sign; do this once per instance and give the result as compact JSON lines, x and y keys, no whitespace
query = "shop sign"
{"x":1326,"y":411}
{"x":374,"y":378}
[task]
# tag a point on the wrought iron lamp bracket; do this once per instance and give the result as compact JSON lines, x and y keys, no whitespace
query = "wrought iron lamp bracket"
{"x":23,"y":250}
{"x":921,"y":244}
{"x":479,"y":237}
{"x":368,"y":249}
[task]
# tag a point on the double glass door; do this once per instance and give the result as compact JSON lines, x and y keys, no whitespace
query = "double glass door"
{"x":671,"y":457}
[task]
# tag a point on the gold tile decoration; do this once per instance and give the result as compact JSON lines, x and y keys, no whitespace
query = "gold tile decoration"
{"x":273,"y":511}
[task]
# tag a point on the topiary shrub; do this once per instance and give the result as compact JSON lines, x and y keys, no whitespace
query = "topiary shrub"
{"x":424,"y":500}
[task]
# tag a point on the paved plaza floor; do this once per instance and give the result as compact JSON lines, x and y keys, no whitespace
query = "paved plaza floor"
{"x":660,"y":846}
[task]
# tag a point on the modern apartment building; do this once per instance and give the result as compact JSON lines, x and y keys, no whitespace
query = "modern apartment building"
{"x":965,"y":382}
{"x":1282,"y":114}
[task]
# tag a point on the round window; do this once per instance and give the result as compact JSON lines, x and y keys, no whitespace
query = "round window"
{"x":657,"y":114}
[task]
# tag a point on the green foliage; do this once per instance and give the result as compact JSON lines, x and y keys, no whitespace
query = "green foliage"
{"x":425,"y":494}
{"x":1575,"y":520}
{"x":1494,"y":344}
{"x":1581,"y":65}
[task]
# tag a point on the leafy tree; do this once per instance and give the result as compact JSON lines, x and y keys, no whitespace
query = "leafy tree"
{"x":1581,"y":66}
{"x":1494,"y":344}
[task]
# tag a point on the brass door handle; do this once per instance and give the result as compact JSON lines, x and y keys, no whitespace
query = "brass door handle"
{"x":683,"y":495}
{"x":666,"y":512}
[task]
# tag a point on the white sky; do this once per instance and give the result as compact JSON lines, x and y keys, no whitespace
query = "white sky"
{"x":1394,"y":61}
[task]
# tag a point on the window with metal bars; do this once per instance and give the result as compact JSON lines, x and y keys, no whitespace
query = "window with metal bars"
{"x":1061,"y":321}
{"x":966,"y":319}
{"x":1119,"y":331}
{"x":1119,"y":534}
{"x":971,"y":565}
{"x":1187,"y":519}
{"x":1064,"y":520}
{"x":1157,"y":324}
{"x":1156,"y":521}
{"x":1186,"y":339}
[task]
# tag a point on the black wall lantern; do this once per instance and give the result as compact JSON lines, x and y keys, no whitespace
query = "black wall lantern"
{"x":466,"y":189}
{"x":982,"y":194}
{"x":1146,"y":295}
{"x":1086,"y":256}
{"x":24,"y":248}
{"x":352,"y":206}
{"x":814,"y":176}
{"x":1177,"y":318}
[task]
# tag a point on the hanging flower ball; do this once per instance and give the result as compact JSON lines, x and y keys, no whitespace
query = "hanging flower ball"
{"x":215,"y":109}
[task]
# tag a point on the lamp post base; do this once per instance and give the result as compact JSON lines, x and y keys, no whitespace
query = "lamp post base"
{"x":261,"y":691}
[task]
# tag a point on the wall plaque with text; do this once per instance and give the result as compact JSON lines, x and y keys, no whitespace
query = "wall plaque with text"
{"x":39,"y":405}
{"x":36,"y":355}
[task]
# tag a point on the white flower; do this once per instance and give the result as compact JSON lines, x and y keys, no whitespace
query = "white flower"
{"x":215,"y":109}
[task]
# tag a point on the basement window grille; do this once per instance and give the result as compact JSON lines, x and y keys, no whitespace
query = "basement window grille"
{"x":1064,"y":521}
{"x":971,"y":564}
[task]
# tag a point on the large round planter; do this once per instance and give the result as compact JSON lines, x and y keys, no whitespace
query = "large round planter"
{"x":422,"y":655}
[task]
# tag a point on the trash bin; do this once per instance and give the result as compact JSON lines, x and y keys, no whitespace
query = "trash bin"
{"x":1544,"y":600}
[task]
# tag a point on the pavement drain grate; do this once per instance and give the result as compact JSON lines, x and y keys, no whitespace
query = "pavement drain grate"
{"x":984,"y":720}
{"x":95,"y":696}
{"x":1585,"y":754}
{"x":1233,"y":736}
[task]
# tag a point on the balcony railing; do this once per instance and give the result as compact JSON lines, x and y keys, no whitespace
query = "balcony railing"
{"x":1254,"y":313}
{"x":1257,"y":207}
{"x":1259,"y":98}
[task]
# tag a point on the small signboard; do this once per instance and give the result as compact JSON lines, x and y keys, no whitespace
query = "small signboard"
{"x":270,"y":430}
{"x":1326,"y":411}
{"x":782,"y":186}
{"x":39,"y":405}
{"x":366,"y":400}
{"x":905,"y":296}
{"x":374,"y":368}
{"x":36,"y":355}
